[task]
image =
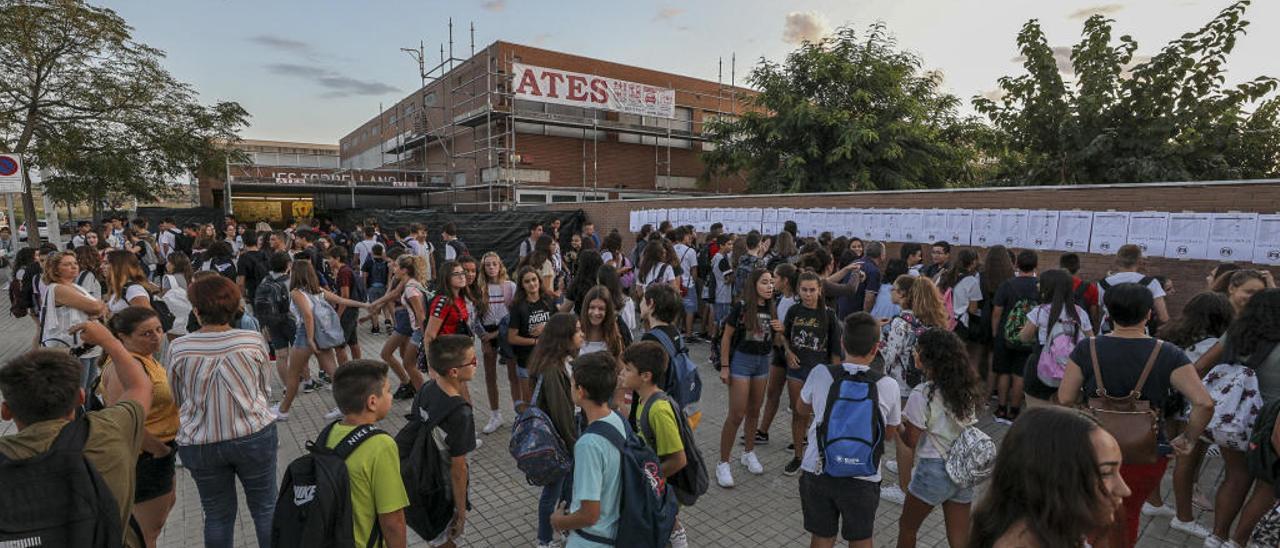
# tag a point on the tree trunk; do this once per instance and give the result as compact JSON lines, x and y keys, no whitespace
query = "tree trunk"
{"x":29,"y":210}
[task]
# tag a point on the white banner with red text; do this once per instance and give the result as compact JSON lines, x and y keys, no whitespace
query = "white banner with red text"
{"x":562,"y":87}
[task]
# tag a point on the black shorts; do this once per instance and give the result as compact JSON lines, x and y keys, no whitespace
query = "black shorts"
{"x":1009,"y":361}
{"x":155,"y":475}
{"x":826,"y":501}
{"x":350,"y":334}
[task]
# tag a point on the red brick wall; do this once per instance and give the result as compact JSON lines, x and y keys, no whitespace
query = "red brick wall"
{"x":1188,"y":276}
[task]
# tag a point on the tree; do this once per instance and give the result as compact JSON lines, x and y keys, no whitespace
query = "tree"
{"x":845,"y":113}
{"x":1169,"y":118}
{"x":84,"y":101}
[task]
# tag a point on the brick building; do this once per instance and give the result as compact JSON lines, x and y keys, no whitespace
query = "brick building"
{"x":517,"y":124}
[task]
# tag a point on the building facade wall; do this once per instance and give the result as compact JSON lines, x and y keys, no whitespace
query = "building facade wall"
{"x":607,"y":161}
{"x":1188,"y":275}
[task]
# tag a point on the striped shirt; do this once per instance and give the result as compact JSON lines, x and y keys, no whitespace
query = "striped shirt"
{"x":221,"y":382}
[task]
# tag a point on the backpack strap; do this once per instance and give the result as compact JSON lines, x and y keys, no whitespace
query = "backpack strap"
{"x":351,"y":441}
{"x":71,"y":438}
{"x":1142,"y":379}
{"x":643,"y":420}
{"x":667,"y":344}
{"x":838,"y":374}
{"x":537,"y":388}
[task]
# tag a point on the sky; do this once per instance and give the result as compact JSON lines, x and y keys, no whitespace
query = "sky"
{"x":312,"y":71}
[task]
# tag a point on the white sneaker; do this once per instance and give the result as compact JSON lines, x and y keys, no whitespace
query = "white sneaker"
{"x":893,"y":493}
{"x":479,"y":442}
{"x":495,"y":422}
{"x":752,"y":463}
{"x":1212,"y":542}
{"x":678,"y":538}
{"x":891,"y":465}
{"x":1157,"y":511}
{"x":724,"y":475}
{"x":334,"y":413}
{"x":1190,"y":527}
{"x":280,"y":416}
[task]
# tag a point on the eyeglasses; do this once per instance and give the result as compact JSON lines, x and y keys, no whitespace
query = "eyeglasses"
{"x":457,"y":273}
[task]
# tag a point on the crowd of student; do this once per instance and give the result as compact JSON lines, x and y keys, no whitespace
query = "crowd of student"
{"x":155,"y":350}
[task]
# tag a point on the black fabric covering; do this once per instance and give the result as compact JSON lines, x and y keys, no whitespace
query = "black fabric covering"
{"x":181,"y":215}
{"x":481,"y":232}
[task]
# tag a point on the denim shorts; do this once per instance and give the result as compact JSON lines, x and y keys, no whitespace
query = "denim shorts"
{"x":749,"y":366}
{"x":402,"y":324}
{"x":376,"y":291}
{"x":801,"y":374}
{"x":690,"y":301}
{"x":722,"y":311}
{"x":300,"y":336}
{"x":931,"y":484}
{"x":416,"y":338}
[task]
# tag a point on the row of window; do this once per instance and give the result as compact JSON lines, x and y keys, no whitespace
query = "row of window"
{"x":285,"y":159}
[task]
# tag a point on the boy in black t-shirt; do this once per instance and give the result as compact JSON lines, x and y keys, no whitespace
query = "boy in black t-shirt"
{"x":453,"y":359}
{"x":812,"y":337}
{"x":1013,"y":300}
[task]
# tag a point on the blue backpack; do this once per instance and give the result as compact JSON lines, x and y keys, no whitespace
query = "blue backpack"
{"x":647,"y":512}
{"x":537,"y":447}
{"x":683,"y":383}
{"x":851,"y":436}
{"x":504,"y":345}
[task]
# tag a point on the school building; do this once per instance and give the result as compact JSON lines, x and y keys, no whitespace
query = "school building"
{"x":519,"y":125}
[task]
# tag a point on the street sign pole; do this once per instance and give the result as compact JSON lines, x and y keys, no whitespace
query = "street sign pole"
{"x":10,"y":184}
{"x":13,"y":220}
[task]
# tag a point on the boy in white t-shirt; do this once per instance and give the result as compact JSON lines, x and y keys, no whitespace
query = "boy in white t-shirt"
{"x":826,"y":500}
{"x":1128,"y":260}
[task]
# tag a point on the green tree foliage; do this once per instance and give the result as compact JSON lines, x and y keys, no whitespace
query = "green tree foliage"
{"x":1168,"y":118}
{"x":81,"y":99}
{"x":848,"y":113}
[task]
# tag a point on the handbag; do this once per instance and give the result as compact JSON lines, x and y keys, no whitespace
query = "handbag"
{"x":1132,"y":421}
{"x":971,"y":457}
{"x":327,"y":324}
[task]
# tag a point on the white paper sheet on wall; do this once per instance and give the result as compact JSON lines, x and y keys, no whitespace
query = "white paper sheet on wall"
{"x":933,"y":225}
{"x":912,"y":227}
{"x":1231,"y":236}
{"x":1266,"y":246}
{"x":1042,"y":229}
{"x":1110,"y":231}
{"x":892,"y":231}
{"x":1149,"y":230}
{"x":986,"y":223}
{"x":1013,"y":227}
{"x":1188,"y":235}
{"x":959,"y":226}
{"x":1074,"y":229}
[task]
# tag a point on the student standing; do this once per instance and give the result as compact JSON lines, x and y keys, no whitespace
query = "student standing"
{"x":1014,"y":299}
{"x":453,"y":360}
{"x":597,"y":468}
{"x":500,"y":293}
{"x":826,"y":500}
{"x":811,"y":333}
{"x":750,"y":331}
{"x":937,"y":411}
{"x":644,"y":368}
{"x":550,"y":363}
{"x":529,"y":315}
{"x":363,"y":393}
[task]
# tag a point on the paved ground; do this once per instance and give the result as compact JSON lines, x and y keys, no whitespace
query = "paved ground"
{"x":761,"y":511}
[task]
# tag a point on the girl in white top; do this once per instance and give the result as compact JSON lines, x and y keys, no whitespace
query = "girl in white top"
{"x":937,"y":411}
{"x":90,"y":265}
{"x":64,"y":305}
{"x":499,"y":291}
{"x":655,"y":267}
{"x":127,"y":283}
{"x":305,"y":293}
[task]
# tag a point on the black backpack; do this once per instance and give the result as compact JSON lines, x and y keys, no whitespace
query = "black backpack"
{"x":58,"y":498}
{"x":183,"y":242}
{"x":19,"y":300}
{"x":271,"y":306}
{"x":1153,"y":325}
{"x":691,"y":481}
{"x":161,"y":308}
{"x":314,"y":507}
{"x":425,"y":469}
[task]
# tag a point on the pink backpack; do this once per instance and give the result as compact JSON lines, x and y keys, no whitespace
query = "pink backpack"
{"x":1056,"y":352}
{"x":947,"y":304}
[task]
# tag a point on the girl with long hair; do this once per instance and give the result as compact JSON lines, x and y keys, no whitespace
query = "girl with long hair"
{"x":448,"y":315}
{"x":785,"y":277}
{"x":64,"y":305}
{"x":530,"y":312}
{"x":937,"y":411}
{"x":612,"y":255}
{"x":921,"y":308}
{"x":1242,"y":285}
{"x":750,"y":332}
{"x":996,"y":268}
{"x":499,"y":292}
{"x":811,"y":336}
{"x":1057,"y":306}
{"x":561,"y":341}
{"x":961,"y":278}
{"x":90,"y":270}
{"x":607,"y":276}
{"x":1056,"y":481}
{"x":1204,"y":320}
{"x":584,"y":278}
{"x":406,"y":290}
{"x":305,"y":295}
{"x":1253,"y":340}
{"x":178,"y":265}
{"x":655,"y":267}
{"x":140,"y":332}
{"x":127,"y":283}
{"x":600,"y":323}
{"x":541,"y":261}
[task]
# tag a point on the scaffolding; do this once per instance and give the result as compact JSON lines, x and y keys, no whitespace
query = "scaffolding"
{"x":471,"y":102}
